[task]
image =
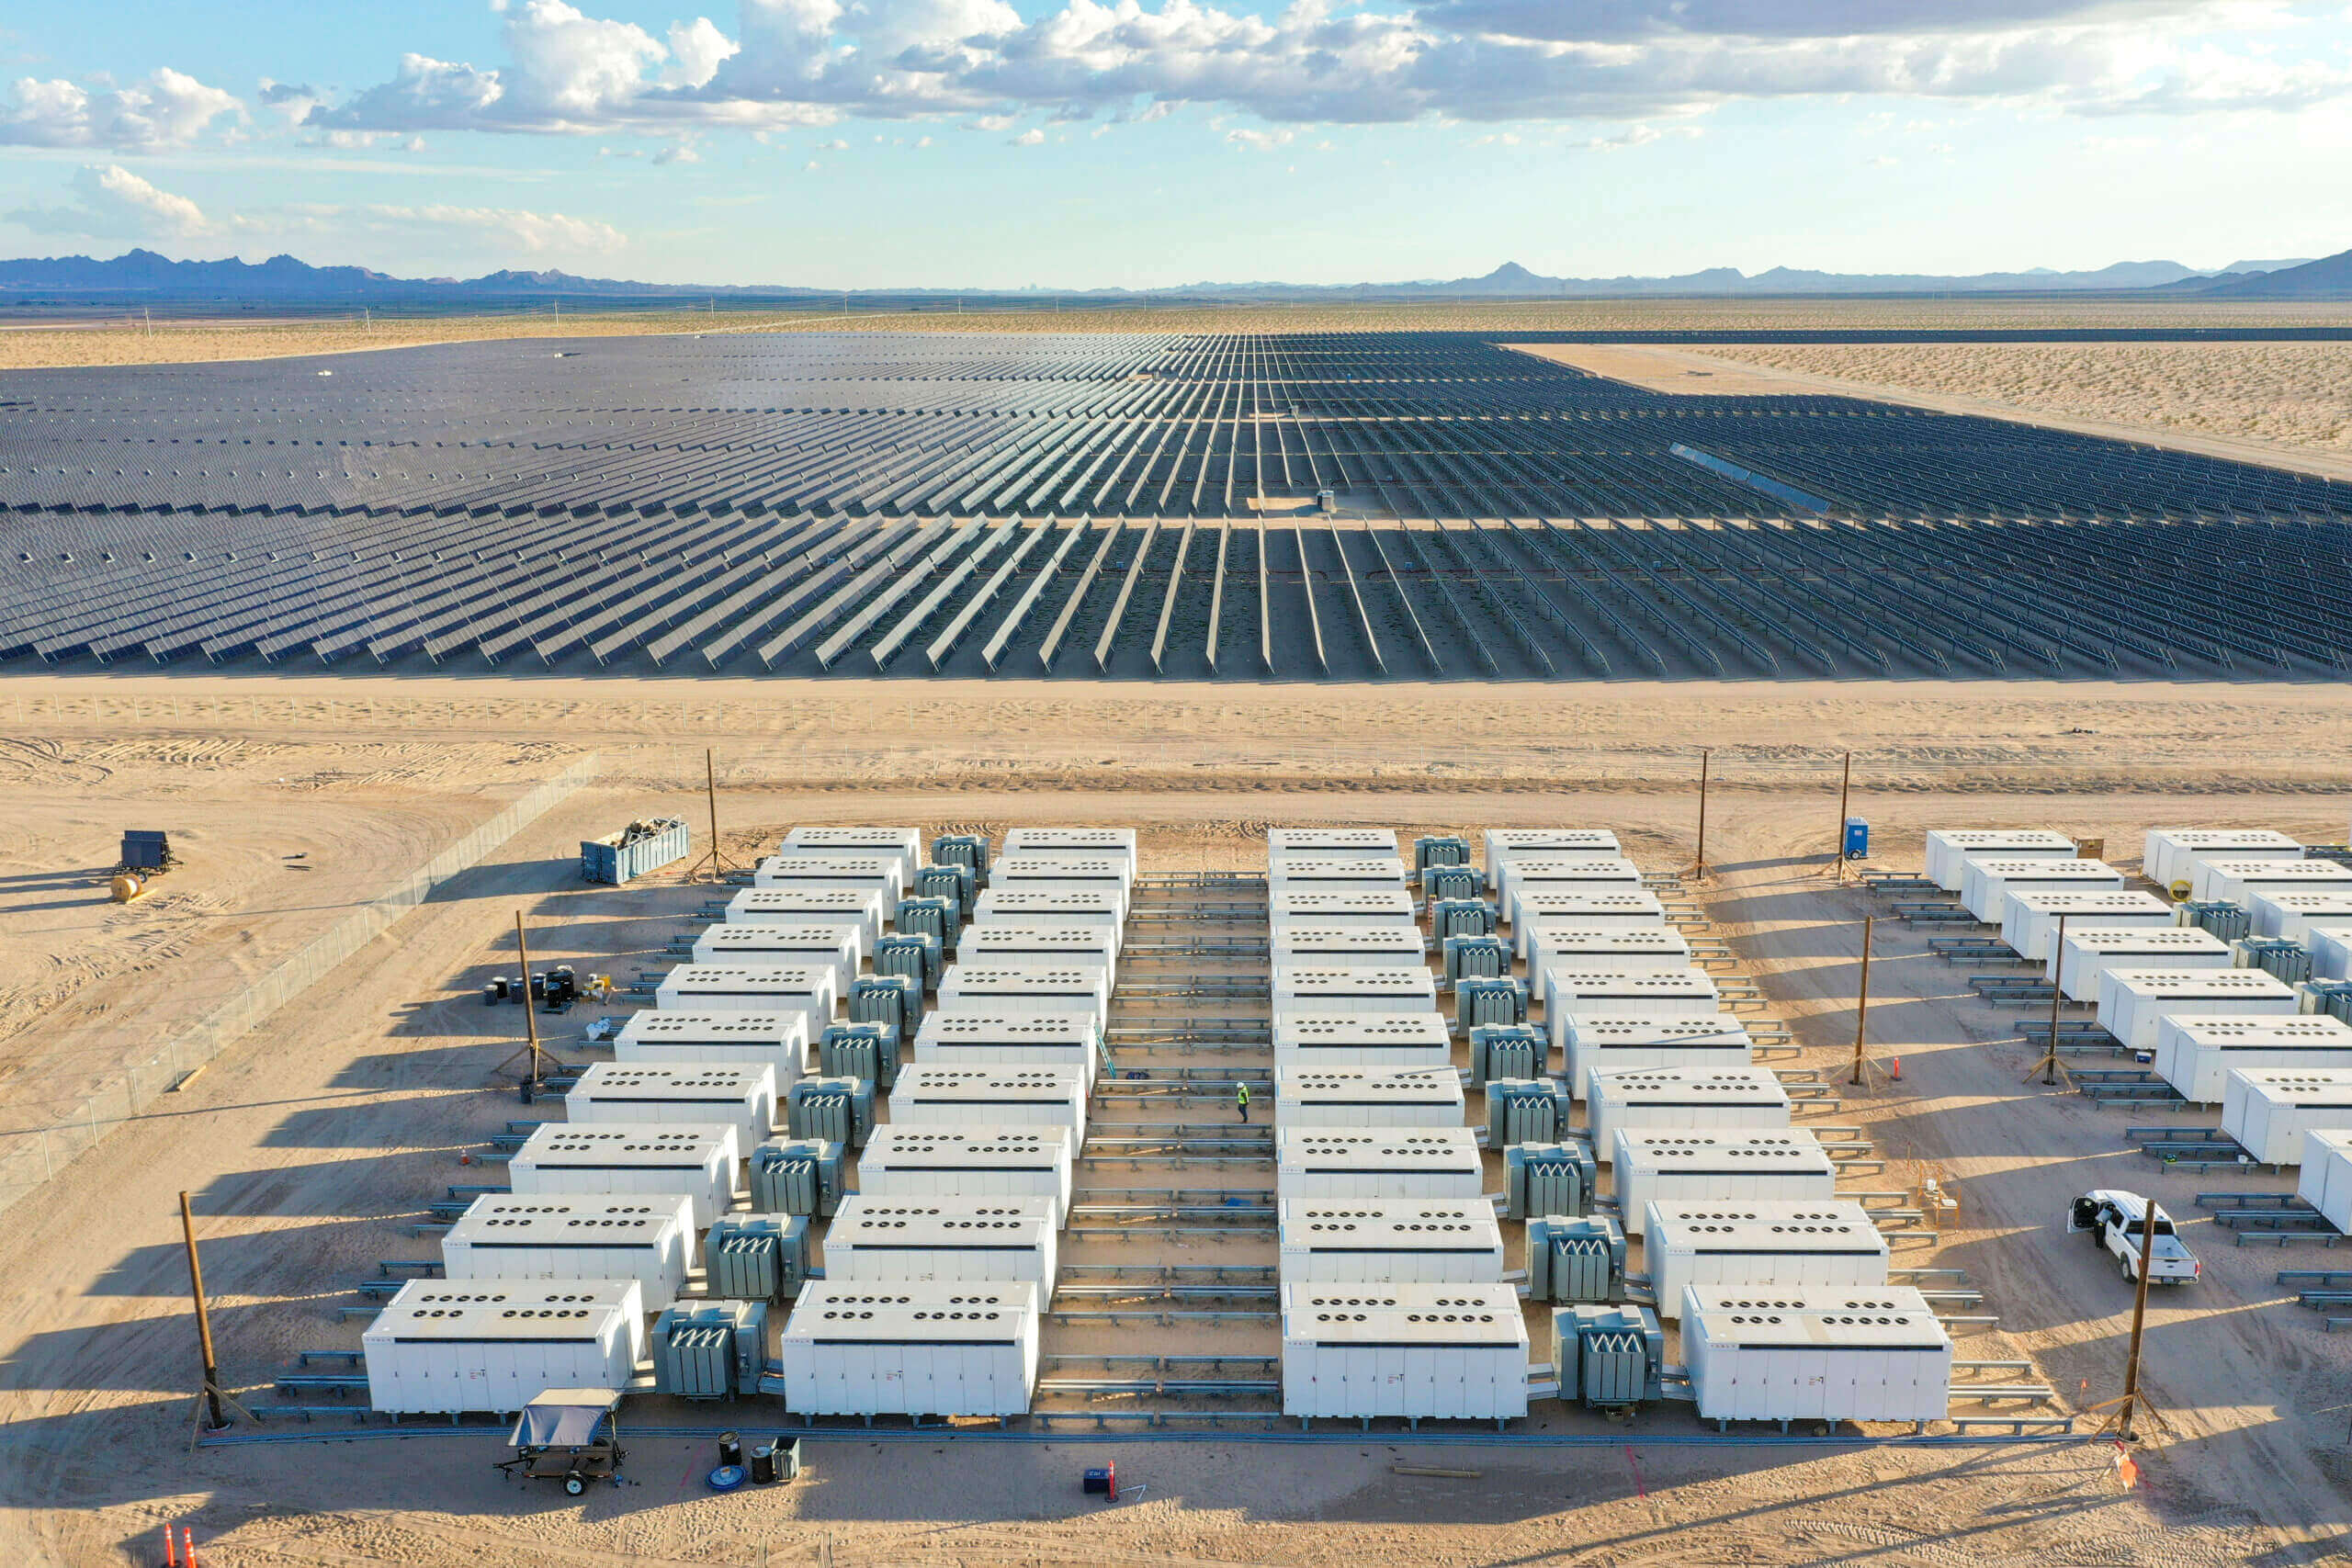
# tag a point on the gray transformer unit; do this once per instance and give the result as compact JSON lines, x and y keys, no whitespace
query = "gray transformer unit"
{"x":2223,"y":918}
{"x":756,"y":1258}
{"x":710,"y":1349}
{"x":916,"y":955}
{"x":1527,"y":1110}
{"x":801,"y":1177}
{"x":1461,"y":917}
{"x":1580,"y":1259}
{"x":1507,"y":1051}
{"x":835,"y":1109}
{"x":1452,"y":882}
{"x":962,"y":849}
{"x":2282,"y":956}
{"x":1549,"y":1179}
{"x":1608,"y":1357}
{"x":1482,"y":957}
{"x":958,"y":884}
{"x":1493,"y":1000}
{"x":869,"y":1051}
{"x":888,"y":999}
{"x":1430,"y":851}
{"x":931,"y":916}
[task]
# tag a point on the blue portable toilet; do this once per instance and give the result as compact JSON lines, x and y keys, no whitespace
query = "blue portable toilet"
{"x":1858,"y":837}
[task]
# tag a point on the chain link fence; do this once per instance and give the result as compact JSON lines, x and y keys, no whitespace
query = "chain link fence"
{"x":30,"y":1156}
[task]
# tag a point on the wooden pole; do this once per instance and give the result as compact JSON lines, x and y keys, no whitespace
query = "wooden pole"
{"x":2139,"y":1322}
{"x":1701,"y":874}
{"x":2057,"y":963}
{"x":1862,"y":1000}
{"x":530,"y":1014}
{"x":1845,"y":789}
{"x":203,"y":1318}
{"x":710,"y":788}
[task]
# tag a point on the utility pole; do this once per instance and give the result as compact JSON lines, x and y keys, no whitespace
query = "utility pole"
{"x":718,"y":864}
{"x":1845,"y":790}
{"x":1700,"y":874}
{"x":2139,"y":1322}
{"x":1862,"y":1000}
{"x":2057,"y":969}
{"x":203,"y":1320}
{"x":530,"y":1012}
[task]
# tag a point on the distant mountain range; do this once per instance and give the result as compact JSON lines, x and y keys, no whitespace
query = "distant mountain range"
{"x":142,"y":277}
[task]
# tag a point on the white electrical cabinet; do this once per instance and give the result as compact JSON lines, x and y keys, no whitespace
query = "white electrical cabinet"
{"x":976,"y":1161}
{"x":2132,"y":1003}
{"x":1363,"y":1039}
{"x":1441,"y":1352}
{"x":1368,"y":1096}
{"x":1042,"y":870}
{"x":655,"y":1038}
{"x":2170,"y":855}
{"x":2029,"y":917}
{"x":2094,"y":948}
{"x":948,"y":1348}
{"x":1985,"y":886}
{"x":874,"y":873}
{"x":860,"y":907}
{"x":1429,"y":1241}
{"x":1321,"y":988}
{"x":1763,"y":1243}
{"x":1336,"y":874}
{"x":902,"y":844}
{"x":1329,"y":844}
{"x":1524,"y":874}
{"x":1666,"y":993}
{"x":1347,"y":947}
{"x":1503,"y":844}
{"x":1625,"y":950}
{"x":1721,"y":1164}
{"x":1950,"y":850}
{"x":1863,"y":1354}
{"x":2240,"y":882}
{"x":734,"y":988}
{"x":1044,"y":989}
{"x":2196,"y":1052}
{"x":2330,"y":944}
{"x":739,"y":1094}
{"x":940,"y":1238}
{"x":2268,"y":1109}
{"x":444,"y":1348}
{"x":697,"y":1159}
{"x":1288,"y":905}
{"x":2326,"y":1179}
{"x":780,"y":946}
{"x":1637,"y":906}
{"x":1372,"y":1162}
{"x":1059,"y":902}
{"x":1002,"y":940}
{"x":1681,"y":1099}
{"x":2293,"y":912}
{"x":506,"y":1236}
{"x":1110,"y":843}
{"x":1001,"y":1037}
{"x":933,"y":1094}
{"x":1602,"y":1043}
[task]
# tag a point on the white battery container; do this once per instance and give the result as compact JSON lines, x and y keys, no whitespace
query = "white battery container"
{"x":1548,"y":844}
{"x":2325,"y":1182}
{"x":2240,"y":882}
{"x":1859,"y":1354}
{"x":1417,"y":1351}
{"x":1315,"y":1040}
{"x":993,"y":1037}
{"x":1335,"y":874}
{"x":874,"y":873}
{"x":2132,"y":1003}
{"x":780,"y":946}
{"x":944,"y":1239}
{"x":1368,"y":1096}
{"x":1719,"y":1165}
{"x":734,"y":988}
{"x":1428,"y":1241}
{"x":1950,"y":850}
{"x":1045,"y":988}
{"x":1320,"y":988}
{"x":2292,"y":912}
{"x":974,"y":1161}
{"x":1115,"y":844}
{"x":1602,"y":1043}
{"x":1522,"y":874}
{"x":1059,"y":902}
{"x":932,"y":1094}
{"x":2029,"y":918}
{"x":2196,"y":1052}
{"x":1987,"y":883}
{"x":911,"y":1348}
{"x":1345,"y":947}
{"x":654,"y":1037}
{"x":1290,"y":905}
{"x":444,"y":1348}
{"x":902,"y":844}
{"x":1373,"y":1162}
{"x":508,"y":1236}
{"x":739,"y":1094}
{"x":2268,"y":1109}
{"x":1329,"y":844}
{"x":860,"y":907}
{"x":1567,"y":994}
{"x":1681,"y":1099}
{"x":1611,"y":906}
{"x":697,"y":1159}
{"x":2093,"y":950}
{"x":1620,"y":949}
{"x":2170,"y":855}
{"x":1763,"y":1244}
{"x":1001,"y":941}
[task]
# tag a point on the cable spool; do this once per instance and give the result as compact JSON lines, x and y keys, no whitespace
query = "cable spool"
{"x":126,"y":887}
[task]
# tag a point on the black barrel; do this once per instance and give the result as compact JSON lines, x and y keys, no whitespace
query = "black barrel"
{"x":764,"y":1463}
{"x":498,"y":987}
{"x":730,"y":1450}
{"x":490,"y":996}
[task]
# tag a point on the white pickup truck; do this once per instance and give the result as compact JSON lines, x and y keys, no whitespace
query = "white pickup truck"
{"x":2111,"y":1218}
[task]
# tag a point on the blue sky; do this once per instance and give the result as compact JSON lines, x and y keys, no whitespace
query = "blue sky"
{"x":1071,"y":144}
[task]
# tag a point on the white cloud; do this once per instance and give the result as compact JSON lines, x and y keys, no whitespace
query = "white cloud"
{"x":1032,"y":137}
{"x":678,"y":152}
{"x":112,"y":203}
{"x":167,"y":110}
{"x":1260,"y":140}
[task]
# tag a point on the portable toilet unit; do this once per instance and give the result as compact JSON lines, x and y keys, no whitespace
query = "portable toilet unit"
{"x":2170,"y":855}
{"x":734,"y":988}
{"x":967,"y":850}
{"x":832,"y":1110}
{"x":1549,"y":1179}
{"x":756,"y":1258}
{"x":1682,"y":1100}
{"x":1315,"y":1040}
{"x":738,"y":1094}
{"x":934,"y":1094}
{"x":1461,"y":917}
{"x":654,"y":1037}
{"x":1339,"y":874}
{"x":1060,"y":903}
{"x":1609,"y":1358}
{"x":2326,"y":1179}
{"x":2133,"y":1003}
{"x":1631,"y":950}
{"x":1507,"y":1051}
{"x":507,"y":1236}
{"x":1042,"y":989}
{"x":2268,"y":1109}
{"x":894,"y":1000}
{"x":1431,"y":1241}
{"x":908,"y":1348}
{"x":1107,"y":873}
{"x":1473,"y":958}
{"x":1329,"y":843}
{"x":2029,"y":917}
{"x":1348,"y":947}
{"x":1504,"y":845}
{"x":1526,"y":874}
{"x":806,"y":1178}
{"x":1602,"y":1043}
{"x":447,"y":1348}
{"x":1321,"y":988}
{"x":1375,"y":1161}
{"x":1722,"y":1165}
{"x":1527,"y":1110}
{"x":974,"y":1161}
{"x":1950,"y":851}
{"x":902,"y":844}
{"x":660,"y":1159}
{"x":1434,"y":1352}
{"x":1023,"y":942}
{"x":1292,"y":905}
{"x":2292,"y":912}
{"x":1368,"y":1096}
{"x":1771,"y":1354}
{"x":997,"y":1037}
{"x":868,"y":1051}
{"x":2196,"y":1052}
{"x":883,"y":874}
{"x":1637,"y":906}
{"x":2092,"y":950}
{"x":1990,"y":879}
{"x":1669,"y":993}
{"x":1575,"y":1260}
{"x":1116,"y":844}
{"x":944,"y":1238}
{"x":861,"y":907}
{"x":782,"y":946}
{"x":2240,"y":881}
{"x":1487,"y":1003}
{"x":1436,"y":851}
{"x":710,"y":1349}
{"x":1762,"y":1244}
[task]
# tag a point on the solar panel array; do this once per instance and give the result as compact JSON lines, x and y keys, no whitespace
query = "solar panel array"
{"x":1135,"y":506}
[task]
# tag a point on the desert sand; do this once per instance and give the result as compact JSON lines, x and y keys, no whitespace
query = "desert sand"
{"x":308,"y":1143}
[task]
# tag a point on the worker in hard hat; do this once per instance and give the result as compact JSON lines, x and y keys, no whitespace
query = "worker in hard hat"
{"x":1241,"y":1099}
